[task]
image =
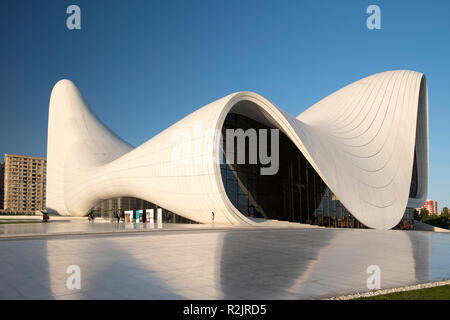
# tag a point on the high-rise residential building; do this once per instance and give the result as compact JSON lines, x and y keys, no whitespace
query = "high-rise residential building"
{"x":2,"y":182}
{"x":431,"y":206}
{"x":24,"y":184}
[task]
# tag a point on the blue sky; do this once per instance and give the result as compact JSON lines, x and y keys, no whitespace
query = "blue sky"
{"x":143,"y":65}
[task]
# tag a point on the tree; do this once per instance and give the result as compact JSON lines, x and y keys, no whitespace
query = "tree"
{"x":445,"y":212}
{"x":441,"y":221}
{"x":424,"y":213}
{"x":416,"y":214}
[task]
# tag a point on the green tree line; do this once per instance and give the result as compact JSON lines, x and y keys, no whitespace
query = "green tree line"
{"x":441,"y":221}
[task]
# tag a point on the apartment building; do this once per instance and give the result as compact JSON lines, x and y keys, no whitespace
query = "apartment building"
{"x":2,"y":182}
{"x":431,"y":206}
{"x":24,"y":183}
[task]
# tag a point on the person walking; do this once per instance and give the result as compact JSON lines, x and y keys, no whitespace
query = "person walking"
{"x":118,"y":217}
{"x":212,"y":217}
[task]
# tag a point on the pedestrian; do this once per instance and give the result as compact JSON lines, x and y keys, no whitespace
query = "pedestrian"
{"x":118,"y":217}
{"x":89,"y":217}
{"x":212,"y":217}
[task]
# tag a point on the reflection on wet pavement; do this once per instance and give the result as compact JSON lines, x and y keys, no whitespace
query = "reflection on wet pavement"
{"x":80,"y":226}
{"x":221,"y":264}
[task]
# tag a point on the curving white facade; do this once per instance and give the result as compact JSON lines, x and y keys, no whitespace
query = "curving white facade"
{"x":361,"y":141}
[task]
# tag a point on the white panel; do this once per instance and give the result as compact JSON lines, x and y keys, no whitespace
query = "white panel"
{"x":359,"y":139}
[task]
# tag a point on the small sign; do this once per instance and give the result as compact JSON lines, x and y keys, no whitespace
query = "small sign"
{"x":138,"y":215}
{"x":129,"y":216}
{"x":150,"y":215}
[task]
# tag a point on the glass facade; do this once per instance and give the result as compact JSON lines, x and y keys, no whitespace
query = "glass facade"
{"x":296,"y":193}
{"x":414,"y":179}
{"x":107,"y":209}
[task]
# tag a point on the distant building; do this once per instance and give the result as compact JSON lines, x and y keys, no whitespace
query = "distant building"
{"x":447,"y":210}
{"x":431,"y":206}
{"x":24,"y":183}
{"x":2,"y":182}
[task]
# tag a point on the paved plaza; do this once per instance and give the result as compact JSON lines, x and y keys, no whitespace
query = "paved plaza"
{"x":200,"y":262}
{"x":70,"y":226}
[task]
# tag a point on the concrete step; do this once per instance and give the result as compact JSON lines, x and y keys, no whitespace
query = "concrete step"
{"x":280,"y":223}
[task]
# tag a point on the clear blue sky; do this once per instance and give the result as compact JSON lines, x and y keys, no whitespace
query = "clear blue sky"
{"x":143,"y":65}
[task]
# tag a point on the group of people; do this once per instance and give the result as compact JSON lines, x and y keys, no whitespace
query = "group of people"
{"x":117,"y":216}
{"x":91,"y":217}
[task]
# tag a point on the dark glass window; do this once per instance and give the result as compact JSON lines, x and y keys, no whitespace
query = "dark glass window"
{"x":295,"y":193}
{"x":414,"y":179}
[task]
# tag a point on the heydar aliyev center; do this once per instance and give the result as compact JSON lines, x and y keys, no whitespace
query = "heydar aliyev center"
{"x":358,"y":155}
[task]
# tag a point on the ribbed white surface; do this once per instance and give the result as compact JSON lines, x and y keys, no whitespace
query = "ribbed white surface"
{"x":360,"y":140}
{"x":363,"y":145}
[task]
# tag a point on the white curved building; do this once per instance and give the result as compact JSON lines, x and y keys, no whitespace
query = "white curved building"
{"x":364,"y":148}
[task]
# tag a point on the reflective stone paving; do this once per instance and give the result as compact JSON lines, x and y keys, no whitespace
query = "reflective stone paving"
{"x":68,"y":225}
{"x":79,"y":226}
{"x":221,"y":264}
